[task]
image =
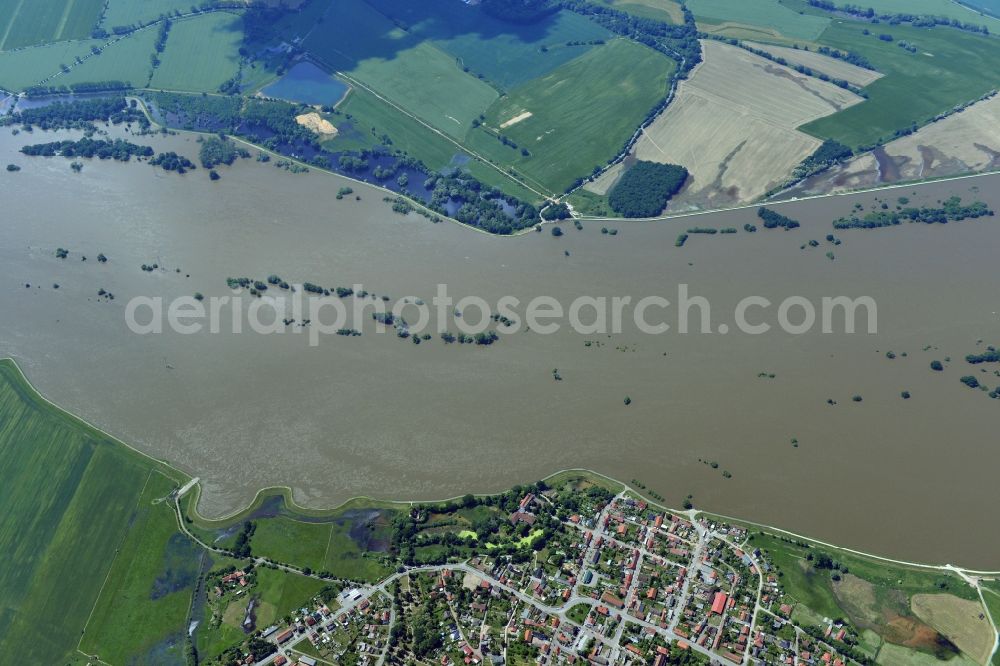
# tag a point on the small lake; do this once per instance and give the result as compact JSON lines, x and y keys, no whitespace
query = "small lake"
{"x":308,"y":84}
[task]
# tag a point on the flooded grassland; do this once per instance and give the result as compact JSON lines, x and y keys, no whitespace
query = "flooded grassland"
{"x":379,"y":416}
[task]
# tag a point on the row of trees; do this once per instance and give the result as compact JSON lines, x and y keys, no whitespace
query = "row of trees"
{"x":916,"y":20}
{"x":119,"y":149}
{"x":952,"y":210}
{"x":79,"y":114}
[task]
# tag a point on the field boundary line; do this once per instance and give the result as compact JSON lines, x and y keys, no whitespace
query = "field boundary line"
{"x":475,"y":154}
{"x":993,"y":624}
{"x":10,"y":25}
{"x":57,"y":35}
{"x":811,"y":197}
{"x":87,"y":423}
{"x":111,"y":566}
{"x":294,"y":505}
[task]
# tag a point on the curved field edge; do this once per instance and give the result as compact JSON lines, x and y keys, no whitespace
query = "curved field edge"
{"x":127,"y":579}
{"x":11,"y":373}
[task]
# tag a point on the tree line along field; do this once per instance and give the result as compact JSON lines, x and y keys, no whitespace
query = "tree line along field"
{"x":660,"y":10}
{"x":124,"y":60}
{"x":947,"y":8}
{"x":462,"y":73}
{"x":581,"y":114}
{"x":201,"y":53}
{"x":950,"y":67}
{"x":733,"y":125}
{"x":772,"y":15}
{"x":30,"y":22}
{"x":120,"y":13}
{"x":25,"y":67}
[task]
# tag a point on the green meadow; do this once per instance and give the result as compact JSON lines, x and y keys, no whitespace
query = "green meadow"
{"x":582,"y":113}
{"x":505,"y":54}
{"x":428,"y":84}
{"x":950,"y":67}
{"x":320,"y":546}
{"x":144,"y":603}
{"x":125,"y":60}
{"x":139,"y":12}
{"x":29,"y":22}
{"x":26,"y":67}
{"x":659,"y":10}
{"x":770,"y":14}
{"x":72,"y":498}
{"x":201,"y":54}
{"x":947,"y":8}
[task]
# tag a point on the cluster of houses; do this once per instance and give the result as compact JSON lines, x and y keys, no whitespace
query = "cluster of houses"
{"x":617,"y":583}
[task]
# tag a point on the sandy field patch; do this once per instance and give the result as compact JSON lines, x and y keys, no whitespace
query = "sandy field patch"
{"x":733,"y":123}
{"x":961,"y":620}
{"x":837,"y":69}
{"x":524,"y":115}
{"x":316,"y":123}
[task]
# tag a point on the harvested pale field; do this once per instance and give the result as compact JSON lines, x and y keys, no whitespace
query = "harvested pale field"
{"x":603,"y":183}
{"x":317,"y":124}
{"x":524,"y":115}
{"x":733,"y":123}
{"x":961,"y":620}
{"x":962,"y":143}
{"x":837,"y":69}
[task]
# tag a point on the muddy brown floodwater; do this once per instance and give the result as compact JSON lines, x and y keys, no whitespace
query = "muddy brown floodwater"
{"x":378,"y":416}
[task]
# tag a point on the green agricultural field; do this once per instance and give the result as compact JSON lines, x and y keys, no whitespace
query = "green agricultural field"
{"x":950,"y":67}
{"x":948,"y":8}
{"x":805,"y":586}
{"x":345,"y":558}
{"x":320,"y":546}
{"x":121,"y":13}
{"x":659,"y":10}
{"x":581,"y":114}
{"x":897,"y":655}
{"x":202,"y":53}
{"x":364,"y":119}
{"x":814,"y":589}
{"x":29,"y":22}
{"x":69,"y":494}
{"x":427,"y":83}
{"x":143,"y":607}
{"x":991,"y":595}
{"x":401,"y":67}
{"x":505,"y":54}
{"x":291,"y":541}
{"x":27,"y":67}
{"x":286,"y":591}
{"x":769,"y":14}
{"x":125,"y":60}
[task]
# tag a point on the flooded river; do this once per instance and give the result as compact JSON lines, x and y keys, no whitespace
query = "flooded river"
{"x":375,"y":415}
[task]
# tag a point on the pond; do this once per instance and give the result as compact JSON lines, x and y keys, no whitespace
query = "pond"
{"x":308,"y":84}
